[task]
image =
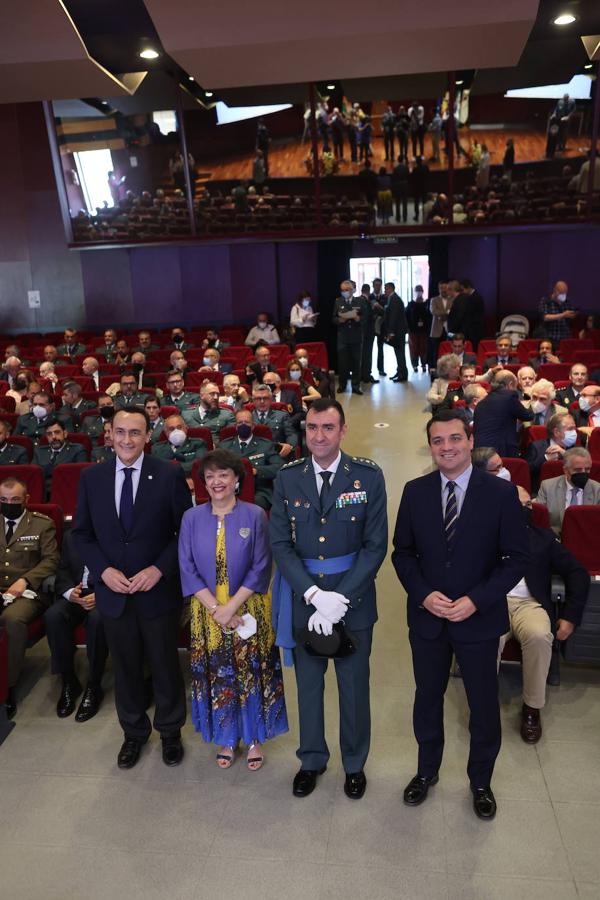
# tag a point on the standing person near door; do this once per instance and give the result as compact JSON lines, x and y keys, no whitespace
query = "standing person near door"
{"x":395,"y":326}
{"x":349,"y":313}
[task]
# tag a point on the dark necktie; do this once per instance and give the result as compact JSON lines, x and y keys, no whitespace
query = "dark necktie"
{"x":450,"y":514}
{"x":53,"y":455}
{"x":126,"y":504}
{"x":502,"y":360}
{"x":538,"y":419}
{"x":10,"y":530}
{"x":261,"y":418}
{"x":325,"y":487}
{"x":243,"y":445}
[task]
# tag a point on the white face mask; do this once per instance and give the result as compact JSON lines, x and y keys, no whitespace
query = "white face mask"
{"x":306,"y":303}
{"x":570,"y":437}
{"x":177,"y":437}
{"x":40,"y":412}
{"x":561,"y":297}
{"x":584,"y":404}
{"x":503,"y":473}
{"x":206,"y":361}
{"x":262,"y":324}
{"x":346,"y":294}
{"x":538,"y":407}
{"x":295,"y":375}
{"x":303,"y":361}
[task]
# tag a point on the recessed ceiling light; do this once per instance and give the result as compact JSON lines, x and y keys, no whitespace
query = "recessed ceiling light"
{"x":190,"y":77}
{"x":331,"y":87}
{"x":149,"y":53}
{"x":565,"y":19}
{"x":208,"y":93}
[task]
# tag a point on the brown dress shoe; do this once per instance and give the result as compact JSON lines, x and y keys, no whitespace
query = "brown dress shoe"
{"x":531,"y":724}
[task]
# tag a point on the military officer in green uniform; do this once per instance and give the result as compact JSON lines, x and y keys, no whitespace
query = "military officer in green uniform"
{"x":349,"y":312}
{"x":28,"y":555}
{"x":106,"y":452}
{"x":73,"y":404}
{"x":176,"y":395}
{"x":329,"y":538}
{"x":208,"y":413}
{"x":129,"y":396}
{"x":157,"y":422}
{"x":70,"y":346}
{"x":178,"y":446}
{"x":260,"y":452}
{"x":93,"y":426}
{"x":278,"y":420}
{"x":57,"y":451}
{"x":33,"y":424}
{"x":10,"y":454}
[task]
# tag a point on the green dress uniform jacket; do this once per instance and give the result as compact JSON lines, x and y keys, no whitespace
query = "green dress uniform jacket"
{"x":93,"y":426}
{"x":102,"y":454}
{"x":134,"y":402}
{"x":76,"y":349}
{"x":263,"y":457}
{"x":280,"y":424}
{"x":69,"y":453}
{"x":187,"y":400}
{"x":194,"y":448}
{"x":215,"y":419}
{"x":13,"y":454}
{"x":36,"y":428}
{"x":156,"y":432}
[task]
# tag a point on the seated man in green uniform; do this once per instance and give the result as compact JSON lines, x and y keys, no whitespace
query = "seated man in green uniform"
{"x":29,"y":554}
{"x":129,"y":396}
{"x":10,"y":454}
{"x":106,"y":452}
{"x":176,"y":395}
{"x":73,"y":404}
{"x":279,"y":421}
{"x":33,"y":424}
{"x":70,"y":346}
{"x":58,"y":450}
{"x":179,"y":446}
{"x":261,"y":453}
{"x":152,"y":407}
{"x":93,"y":426}
{"x":208,"y":412}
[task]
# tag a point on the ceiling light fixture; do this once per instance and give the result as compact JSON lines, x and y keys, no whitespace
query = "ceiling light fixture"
{"x":149,"y":53}
{"x":460,"y":81}
{"x":565,"y":19}
{"x":208,"y":93}
{"x":331,"y":87}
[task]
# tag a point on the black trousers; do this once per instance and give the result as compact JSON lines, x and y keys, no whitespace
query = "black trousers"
{"x":417,"y":137}
{"x":349,"y":363}
{"x":434,"y":343}
{"x":367,"y":353}
{"x":61,"y":620}
{"x":380,"y":346}
{"x":402,"y":145}
{"x":478,"y":666}
{"x":131,"y":640}
{"x":399,"y":347}
{"x":401,"y":200}
{"x":388,"y":143}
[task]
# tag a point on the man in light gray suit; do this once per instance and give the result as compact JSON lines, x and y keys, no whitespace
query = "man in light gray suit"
{"x":574,"y":488}
{"x":440,"y":306}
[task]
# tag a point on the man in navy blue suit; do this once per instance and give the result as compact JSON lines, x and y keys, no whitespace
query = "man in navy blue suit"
{"x":128,"y":516}
{"x":460,"y":545}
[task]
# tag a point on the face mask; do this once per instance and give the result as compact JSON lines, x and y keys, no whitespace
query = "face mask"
{"x":177,"y":437}
{"x":137,"y":368}
{"x":273,"y":388}
{"x":40,"y":412}
{"x":244,"y":431}
{"x":503,"y":473}
{"x":295,"y":375}
{"x":346,"y":294}
{"x":303,"y":361}
{"x":11,"y":511}
{"x":580,"y":479}
{"x":418,"y":295}
{"x":306,"y":303}
{"x":570,"y":437}
{"x":262,"y":324}
{"x":20,"y":384}
{"x":206,"y":361}
{"x":538,"y":407}
{"x":561,"y":297}
{"x":584,"y":404}
{"x":178,"y":339}
{"x":107,"y":412}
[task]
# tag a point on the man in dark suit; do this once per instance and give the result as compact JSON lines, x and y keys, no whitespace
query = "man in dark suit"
{"x":73,"y":404}
{"x":138,"y":367}
{"x":211,"y":361}
{"x":468,"y":313}
{"x":262,"y":364}
{"x":561,"y":434}
{"x":74,"y":605}
{"x":532,"y":614}
{"x":395,"y":327}
{"x":260,"y":452}
{"x":128,"y":517}
{"x":460,"y":545}
{"x":503,"y":356}
{"x":458,"y":348}
{"x":496,"y":417}
{"x":287,"y":396}
{"x":58,"y":450}
{"x":578,"y":375}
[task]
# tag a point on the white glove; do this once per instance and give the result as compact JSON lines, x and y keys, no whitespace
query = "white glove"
{"x":330,"y":604}
{"x":320,"y":624}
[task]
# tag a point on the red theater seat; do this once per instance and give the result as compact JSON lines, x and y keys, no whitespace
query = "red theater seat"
{"x":33,"y":476}
{"x":519,"y":471}
{"x":581,"y":535}
{"x":247,"y":492}
{"x":65,"y":486}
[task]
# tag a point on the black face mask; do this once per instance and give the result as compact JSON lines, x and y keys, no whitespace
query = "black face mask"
{"x":580,"y":479}
{"x":244,"y":431}
{"x":21,"y":384}
{"x":273,"y":388}
{"x":137,"y":368}
{"x":527,"y":515}
{"x":11,"y":511}
{"x":178,"y":339}
{"x":107,"y":412}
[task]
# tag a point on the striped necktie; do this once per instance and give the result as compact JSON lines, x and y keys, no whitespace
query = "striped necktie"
{"x":574,"y":501}
{"x":450,"y":514}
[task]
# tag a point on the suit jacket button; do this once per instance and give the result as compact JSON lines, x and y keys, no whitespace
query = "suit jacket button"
{"x":323,"y":521}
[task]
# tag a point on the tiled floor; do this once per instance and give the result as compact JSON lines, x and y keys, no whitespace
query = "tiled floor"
{"x":73,"y":826}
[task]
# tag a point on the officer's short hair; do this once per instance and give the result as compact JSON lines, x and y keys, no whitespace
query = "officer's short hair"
{"x":261,"y":389}
{"x":12,"y":479}
{"x":6,"y":424}
{"x":325,"y":403}
{"x":54,"y":421}
{"x":73,"y":386}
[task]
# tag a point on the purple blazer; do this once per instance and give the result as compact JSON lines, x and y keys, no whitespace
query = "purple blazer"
{"x":246,"y":545}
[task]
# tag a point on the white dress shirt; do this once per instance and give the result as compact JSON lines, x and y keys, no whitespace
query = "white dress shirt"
{"x":120,"y":478}
{"x":16,"y":521}
{"x":331,"y":468}
{"x":461,"y":485}
{"x":84,"y":583}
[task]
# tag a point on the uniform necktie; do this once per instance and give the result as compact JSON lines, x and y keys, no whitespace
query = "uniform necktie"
{"x":450,"y":514}
{"x":574,"y":496}
{"x":243,"y":445}
{"x":10,"y":530}
{"x":261,"y":418}
{"x":53,"y":455}
{"x":325,"y":487}
{"x":126,"y":504}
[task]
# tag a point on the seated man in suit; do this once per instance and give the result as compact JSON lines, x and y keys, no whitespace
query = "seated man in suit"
{"x":208,"y":413}
{"x":179,"y":446}
{"x":57,"y":451}
{"x":176,"y":394}
{"x":212,"y":339}
{"x":152,"y":407}
{"x":587,"y":417}
{"x":50,"y":354}
{"x":284,"y":434}
{"x":526,"y":378}
{"x":73,"y":403}
{"x":290,"y":398}
{"x":29,"y":555}
{"x":263,"y":332}
{"x":472,"y":395}
{"x":178,"y":341}
{"x":574,"y":488}
{"x":262,"y":364}
{"x":106,"y":452}
{"x":458,"y":348}
{"x":47,"y":373}
{"x":578,"y":375}
{"x":496,"y":416}
{"x":262,"y":454}
{"x":234,"y":395}
{"x":145,"y":344}
{"x":33,"y":424}
{"x":467,"y":376}
{"x":10,"y":454}
{"x":93,"y":425}
{"x":10,"y":370}
{"x":211,"y":362}
{"x":561,"y":434}
{"x":109,"y":348}
{"x":128,"y":396}
{"x":90,"y":367}
{"x":545,"y":354}
{"x":178,"y":362}
{"x":75,"y":604}
{"x":138,"y":367}
{"x":532,"y":615}
{"x":542,"y":403}
{"x":504,"y":355}
{"x":70,"y":346}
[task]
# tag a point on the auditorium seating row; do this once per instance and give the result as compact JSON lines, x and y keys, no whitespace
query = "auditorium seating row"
{"x":570,"y":350}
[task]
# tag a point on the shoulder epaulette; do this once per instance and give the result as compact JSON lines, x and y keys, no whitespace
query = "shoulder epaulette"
{"x":294,"y":462}
{"x":363,"y":461}
{"x":40,"y":515}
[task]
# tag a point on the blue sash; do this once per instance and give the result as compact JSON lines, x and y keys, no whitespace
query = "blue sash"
{"x":282,"y":595}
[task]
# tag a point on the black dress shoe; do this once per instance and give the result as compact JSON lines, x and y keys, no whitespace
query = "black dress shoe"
{"x":531,"y":724}
{"x":484,"y":802}
{"x":11,"y":704}
{"x":341,"y":388}
{"x":373,"y":380}
{"x":305,"y":781}
{"x":71,"y":690}
{"x":357,"y":391}
{"x":90,"y":703}
{"x":172,"y":750}
{"x":129,"y":753}
{"x":355,"y":785}
{"x":382,"y":373}
{"x":416,"y":790}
